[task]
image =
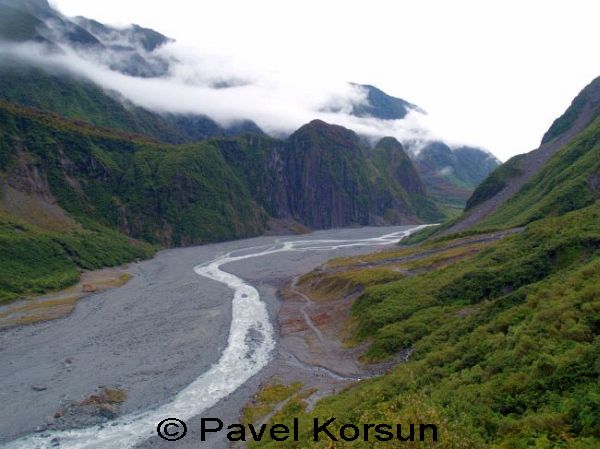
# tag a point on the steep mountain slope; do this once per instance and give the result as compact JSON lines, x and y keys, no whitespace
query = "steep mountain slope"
{"x":569,"y":180}
{"x":76,"y":98}
{"x":323,"y":177}
{"x":330,"y":159}
{"x":503,"y":337}
{"x":161,"y":193}
{"x":17,"y":25}
{"x":451,"y":175}
{"x":552,"y":179}
{"x":501,"y":328}
{"x":64,"y":178}
{"x":129,"y":50}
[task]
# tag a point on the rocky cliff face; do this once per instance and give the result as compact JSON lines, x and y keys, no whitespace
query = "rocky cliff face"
{"x":323,"y":177}
{"x":223,"y":188}
{"x":399,"y":166}
{"x":326,"y":185}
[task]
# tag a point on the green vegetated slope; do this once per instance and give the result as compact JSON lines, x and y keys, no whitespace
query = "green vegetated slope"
{"x":505,"y":341}
{"x":561,"y":176}
{"x":587,"y":101}
{"x":76,"y":98}
{"x":495,"y":182}
{"x":70,"y":177}
{"x":147,"y":190}
{"x":568,"y":181}
{"x":504,"y":332}
{"x":34,"y":260}
{"x":113,"y":188}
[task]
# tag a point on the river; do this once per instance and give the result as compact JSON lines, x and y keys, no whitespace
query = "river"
{"x":175,"y":338}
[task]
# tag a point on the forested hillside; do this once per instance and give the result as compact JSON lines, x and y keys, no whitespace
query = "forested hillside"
{"x":501,"y":321}
{"x":71,"y":177}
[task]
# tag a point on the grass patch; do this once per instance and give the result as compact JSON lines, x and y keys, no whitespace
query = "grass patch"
{"x":265,"y":401}
{"x":321,"y":286}
{"x":34,"y":262}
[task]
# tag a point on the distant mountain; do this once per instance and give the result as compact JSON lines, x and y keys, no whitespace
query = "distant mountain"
{"x":128,"y":50}
{"x":381,"y":105}
{"x":76,"y":98}
{"x":451,"y":175}
{"x":561,"y":175}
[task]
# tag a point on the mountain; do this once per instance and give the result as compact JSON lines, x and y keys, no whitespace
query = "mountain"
{"x":492,"y":334}
{"x":451,"y":175}
{"x":130,"y":50}
{"x":561,"y":175}
{"x":138,"y":52}
{"x":323,"y":177}
{"x":76,"y":98}
{"x":65,"y":180}
{"x":381,"y":105}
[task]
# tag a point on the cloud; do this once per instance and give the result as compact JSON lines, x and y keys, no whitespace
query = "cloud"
{"x":226,"y":90}
{"x":446,"y":171}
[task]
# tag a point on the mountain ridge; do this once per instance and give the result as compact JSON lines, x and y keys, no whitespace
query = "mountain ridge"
{"x":451,"y":175}
{"x":492,"y":331}
{"x":134,"y":51}
{"x":510,"y":178}
{"x":85,"y":179}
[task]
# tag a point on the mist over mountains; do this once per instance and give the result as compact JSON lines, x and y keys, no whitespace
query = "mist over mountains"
{"x":117,"y":142}
{"x":153,"y":71}
{"x":123,"y":138}
{"x":139,"y":80}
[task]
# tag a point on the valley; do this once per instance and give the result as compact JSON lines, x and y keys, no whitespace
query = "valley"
{"x":214,"y":231}
{"x":143,"y":339}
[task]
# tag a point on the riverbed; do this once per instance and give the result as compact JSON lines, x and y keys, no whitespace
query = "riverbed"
{"x":191,"y":334}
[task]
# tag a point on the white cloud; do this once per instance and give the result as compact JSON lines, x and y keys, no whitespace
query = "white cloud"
{"x":445,"y":171}
{"x":279,"y":105}
{"x":492,"y":73}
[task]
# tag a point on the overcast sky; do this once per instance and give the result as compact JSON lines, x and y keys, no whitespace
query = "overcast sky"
{"x":489,"y":73}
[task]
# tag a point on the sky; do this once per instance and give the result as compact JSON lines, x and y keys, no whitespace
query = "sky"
{"x":494,"y":73}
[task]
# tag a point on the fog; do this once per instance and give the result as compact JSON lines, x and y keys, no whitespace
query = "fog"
{"x":223,"y":89}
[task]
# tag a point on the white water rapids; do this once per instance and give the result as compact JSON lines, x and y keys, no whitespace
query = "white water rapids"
{"x":251,"y":341}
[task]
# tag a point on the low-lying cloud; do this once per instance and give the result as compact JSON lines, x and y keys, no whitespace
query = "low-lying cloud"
{"x":228,"y":92}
